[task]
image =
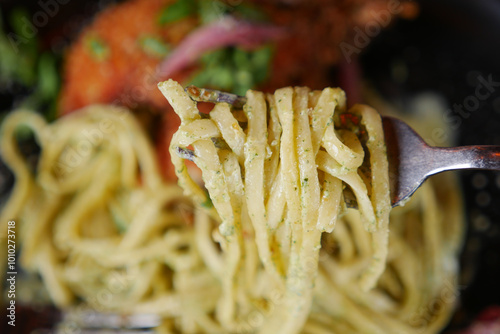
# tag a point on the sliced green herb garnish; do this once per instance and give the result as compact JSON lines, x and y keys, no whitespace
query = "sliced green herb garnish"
{"x":22,"y":65}
{"x":234,"y":69}
{"x":154,"y":46}
{"x":177,"y":11}
{"x":249,"y":12}
{"x":20,"y":52}
{"x":210,"y":11}
{"x":261,"y":63}
{"x":98,"y":48}
{"x":48,"y":84}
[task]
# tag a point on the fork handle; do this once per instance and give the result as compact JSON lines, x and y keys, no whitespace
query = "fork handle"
{"x":465,"y":157}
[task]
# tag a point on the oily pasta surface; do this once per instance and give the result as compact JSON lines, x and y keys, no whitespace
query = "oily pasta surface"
{"x":264,"y":243}
{"x":99,"y":224}
{"x":294,"y":258}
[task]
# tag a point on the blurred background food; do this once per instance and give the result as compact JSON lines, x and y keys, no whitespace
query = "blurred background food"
{"x":59,"y":56}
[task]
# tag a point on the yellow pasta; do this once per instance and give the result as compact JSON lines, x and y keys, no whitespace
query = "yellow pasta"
{"x":277,"y":180}
{"x":272,"y":248}
{"x":98,"y":223}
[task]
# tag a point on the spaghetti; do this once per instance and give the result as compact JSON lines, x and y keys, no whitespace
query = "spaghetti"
{"x":99,"y":224}
{"x":274,"y":249}
{"x":277,"y":182}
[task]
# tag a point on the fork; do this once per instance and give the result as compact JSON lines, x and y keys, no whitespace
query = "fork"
{"x":90,"y":321}
{"x":411,"y":160}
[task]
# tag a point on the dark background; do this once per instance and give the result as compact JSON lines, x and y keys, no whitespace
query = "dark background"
{"x":444,"y":50}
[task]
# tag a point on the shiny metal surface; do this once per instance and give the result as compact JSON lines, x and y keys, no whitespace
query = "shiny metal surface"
{"x":412,"y":161}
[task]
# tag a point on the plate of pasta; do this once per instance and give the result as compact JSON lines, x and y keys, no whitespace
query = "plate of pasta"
{"x":137,"y":209}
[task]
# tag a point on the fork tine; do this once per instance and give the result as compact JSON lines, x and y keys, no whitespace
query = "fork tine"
{"x":90,"y":321}
{"x":188,"y":154}
{"x":215,"y":96}
{"x":185,"y":153}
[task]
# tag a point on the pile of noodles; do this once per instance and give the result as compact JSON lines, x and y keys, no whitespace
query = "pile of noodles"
{"x":265,"y":245}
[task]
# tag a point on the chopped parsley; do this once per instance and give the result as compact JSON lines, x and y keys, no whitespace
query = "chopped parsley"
{"x":154,"y":46}
{"x":177,"y":11}
{"x":28,"y":76}
{"x":98,"y":48}
{"x":234,"y":69}
{"x":213,"y":10}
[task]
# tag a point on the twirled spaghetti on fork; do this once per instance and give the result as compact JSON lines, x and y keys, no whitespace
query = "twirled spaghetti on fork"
{"x":276,"y":175}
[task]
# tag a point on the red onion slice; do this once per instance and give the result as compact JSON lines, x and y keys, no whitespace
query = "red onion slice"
{"x":224,"y":32}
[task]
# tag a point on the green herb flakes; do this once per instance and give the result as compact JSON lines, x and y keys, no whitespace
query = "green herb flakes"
{"x":177,"y":11}
{"x":98,"y":48}
{"x":154,"y":46}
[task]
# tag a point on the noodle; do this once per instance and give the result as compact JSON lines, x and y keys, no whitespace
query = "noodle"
{"x":273,"y":249}
{"x":97,"y":221}
{"x":284,"y":169}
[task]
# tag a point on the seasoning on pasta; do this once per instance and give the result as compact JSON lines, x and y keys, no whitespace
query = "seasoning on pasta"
{"x":276,"y":175}
{"x":272,"y":248}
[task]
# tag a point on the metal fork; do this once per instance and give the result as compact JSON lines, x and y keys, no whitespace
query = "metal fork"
{"x":411,"y":159}
{"x":89,"y":321}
